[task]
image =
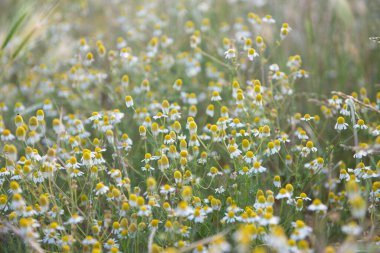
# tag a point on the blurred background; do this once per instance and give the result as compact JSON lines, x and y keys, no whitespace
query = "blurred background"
{"x":332,"y":36}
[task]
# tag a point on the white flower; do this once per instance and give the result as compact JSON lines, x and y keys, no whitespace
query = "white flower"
{"x":352,"y":228}
{"x":183,"y":209}
{"x":166,"y":189}
{"x":230,"y":53}
{"x":101,"y":189}
{"x":129,"y":101}
{"x":360,"y":125}
{"x":220,"y":190}
{"x":317,"y":206}
{"x":274,"y":67}
{"x":75,"y":219}
{"x":144,"y":210}
{"x":230,"y":217}
{"x":340,"y":124}
{"x":283,"y":194}
{"x":252,"y":54}
{"x":257,"y":168}
{"x":268,"y":19}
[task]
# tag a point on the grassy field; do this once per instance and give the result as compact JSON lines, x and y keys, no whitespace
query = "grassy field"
{"x":190,"y":126}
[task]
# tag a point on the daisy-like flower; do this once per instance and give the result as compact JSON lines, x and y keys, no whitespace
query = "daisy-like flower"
{"x":360,"y":125}
{"x":257,"y":168}
{"x":344,"y":111}
{"x":343,"y":175}
{"x":219,"y":244}
{"x":7,"y":135}
{"x":220,"y":190}
{"x":308,"y":148}
{"x":260,"y":202}
{"x":214,"y":172}
{"x":358,"y":206}
{"x":301,"y":134}
{"x":268,"y":19}
{"x":29,"y":211}
{"x":340,"y":124}
{"x":301,"y":230}
{"x":234,"y":151}
{"x":335,"y":100}
{"x":167,"y":189}
{"x":271,"y":149}
{"x":198,"y":216}
{"x":101,"y":189}
{"x":72,"y":163}
{"x":317,"y":206}
{"x":215,"y":96}
{"x":249,"y":157}
{"x":129,"y":101}
{"x":252,"y":54}
{"x":302,"y":74}
{"x":111,"y":244}
{"x":33,"y":138}
{"x":278,"y":75}
{"x":282,"y":194}
{"x":307,"y":117}
{"x":268,"y":219}
{"x":89,"y":240}
{"x":230,"y":217}
{"x":352,"y":228}
{"x":245,"y":171}
{"x":285,"y":29}
{"x":260,"y":42}
{"x":274,"y":67}
{"x":230,"y":53}
{"x":144,"y":210}
{"x":76,"y":173}
{"x":304,"y":197}
{"x":75,"y":219}
{"x":95,"y":116}
{"x":277,"y":181}
{"x":14,"y":187}
{"x":362,"y":151}
{"x":200,"y":248}
{"x":183,"y":209}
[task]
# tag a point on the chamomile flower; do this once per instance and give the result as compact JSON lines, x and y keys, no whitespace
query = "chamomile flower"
{"x":230,"y":54}
{"x":183,"y":209}
{"x":340,"y":124}
{"x":360,"y":125}
{"x":129,"y":101}
{"x":75,"y":219}
{"x":230,"y":217}
{"x":249,"y":157}
{"x":258,"y":168}
{"x":268,"y":19}
{"x":252,"y":54}
{"x":234,"y":151}
{"x":166,"y":189}
{"x":215,"y":96}
{"x":72,"y":163}
{"x":307,"y":117}
{"x":317,"y":206}
{"x":7,"y":135}
{"x":283,"y":193}
{"x":352,"y":228}
{"x":101,"y":189}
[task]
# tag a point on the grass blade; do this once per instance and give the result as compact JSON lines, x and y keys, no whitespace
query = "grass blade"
{"x":22,"y":44}
{"x":13,"y":30}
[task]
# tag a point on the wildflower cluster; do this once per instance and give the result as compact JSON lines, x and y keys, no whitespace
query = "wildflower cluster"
{"x":157,"y":139}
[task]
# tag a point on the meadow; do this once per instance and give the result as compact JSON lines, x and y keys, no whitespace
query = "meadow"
{"x":190,"y":126}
